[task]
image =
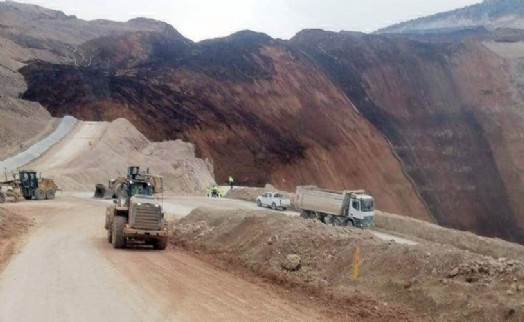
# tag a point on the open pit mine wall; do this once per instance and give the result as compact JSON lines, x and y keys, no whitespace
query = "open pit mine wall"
{"x":260,"y":109}
{"x":453,"y":113}
{"x":267,"y":110}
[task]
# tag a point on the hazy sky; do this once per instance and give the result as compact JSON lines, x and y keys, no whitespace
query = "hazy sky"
{"x":201,"y":19}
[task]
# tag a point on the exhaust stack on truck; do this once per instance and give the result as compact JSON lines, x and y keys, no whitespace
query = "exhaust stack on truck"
{"x":339,"y":208}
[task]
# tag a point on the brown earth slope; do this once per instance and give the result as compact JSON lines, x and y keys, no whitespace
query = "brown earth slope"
{"x":451,"y":112}
{"x":32,"y":32}
{"x":278,"y":112}
{"x":257,"y":107}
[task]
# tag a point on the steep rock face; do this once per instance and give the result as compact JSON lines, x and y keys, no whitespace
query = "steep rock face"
{"x":259,"y":108}
{"x":452,"y":113}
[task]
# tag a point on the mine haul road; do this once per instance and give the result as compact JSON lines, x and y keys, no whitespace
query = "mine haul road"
{"x":65,"y":270}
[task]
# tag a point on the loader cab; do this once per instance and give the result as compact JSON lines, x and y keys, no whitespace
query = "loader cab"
{"x":28,"y":179}
{"x":133,"y":172}
{"x":140,"y":189}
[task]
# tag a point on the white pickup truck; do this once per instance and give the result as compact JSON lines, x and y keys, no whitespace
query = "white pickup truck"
{"x":275,"y":200}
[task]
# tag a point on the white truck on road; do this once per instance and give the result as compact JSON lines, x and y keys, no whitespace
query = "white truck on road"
{"x":339,"y":208}
{"x":275,"y":200}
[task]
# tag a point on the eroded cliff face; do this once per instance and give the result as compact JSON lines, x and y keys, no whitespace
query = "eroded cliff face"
{"x":452,"y":112}
{"x":436,"y":121}
{"x":262,"y":110}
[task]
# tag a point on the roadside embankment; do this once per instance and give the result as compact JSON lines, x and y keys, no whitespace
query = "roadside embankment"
{"x":424,"y":282}
{"x":12,"y":228}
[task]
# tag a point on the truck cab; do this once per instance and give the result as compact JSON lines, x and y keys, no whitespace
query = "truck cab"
{"x":360,"y":209}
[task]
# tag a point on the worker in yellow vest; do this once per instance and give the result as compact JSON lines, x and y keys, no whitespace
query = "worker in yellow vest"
{"x":231,"y":182}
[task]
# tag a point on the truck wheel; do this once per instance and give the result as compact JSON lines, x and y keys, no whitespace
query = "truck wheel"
{"x":161,"y":243}
{"x":118,"y":239}
{"x":2,"y":197}
{"x":39,"y":194}
{"x":28,"y":197}
{"x":328,"y":220}
{"x":304,"y":215}
{"x":259,"y":204}
{"x":350,"y":223}
{"x":338,"y":222}
{"x":109,"y":236}
{"x":284,"y":208}
{"x":274,"y":206}
{"x":50,"y":194}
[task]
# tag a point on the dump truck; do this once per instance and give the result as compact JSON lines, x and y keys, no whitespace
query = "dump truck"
{"x":137,"y":216}
{"x":28,"y":185}
{"x":110,"y":191}
{"x":338,"y":208}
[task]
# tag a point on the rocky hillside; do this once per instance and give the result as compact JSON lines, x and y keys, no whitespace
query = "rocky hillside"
{"x":452,"y":113}
{"x":258,"y":107}
{"x":420,"y":124}
{"x":32,"y":32}
{"x":491,"y":14}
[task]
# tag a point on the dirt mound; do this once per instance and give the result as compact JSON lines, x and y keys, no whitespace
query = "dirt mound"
{"x":411,"y":227}
{"x":395,"y":282}
{"x":12,"y":226}
{"x":121,"y":145}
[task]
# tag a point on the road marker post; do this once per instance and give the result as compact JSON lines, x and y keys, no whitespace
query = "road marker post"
{"x":356,"y":263}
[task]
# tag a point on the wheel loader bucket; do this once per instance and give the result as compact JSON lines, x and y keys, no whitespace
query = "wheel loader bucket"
{"x":102,"y":192}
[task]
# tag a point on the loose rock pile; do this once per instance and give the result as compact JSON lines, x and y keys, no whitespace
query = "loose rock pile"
{"x":486,"y":271}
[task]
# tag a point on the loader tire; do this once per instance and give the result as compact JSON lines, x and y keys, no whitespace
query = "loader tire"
{"x":40,"y":194}
{"x":118,"y":239}
{"x":161,"y":243}
{"x":50,"y":194}
{"x":2,"y":197}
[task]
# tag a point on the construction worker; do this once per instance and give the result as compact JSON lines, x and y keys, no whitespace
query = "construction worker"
{"x":231,"y":182}
{"x":214,"y":191}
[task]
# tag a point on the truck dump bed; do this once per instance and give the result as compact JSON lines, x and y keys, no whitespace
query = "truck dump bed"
{"x":319,"y":200}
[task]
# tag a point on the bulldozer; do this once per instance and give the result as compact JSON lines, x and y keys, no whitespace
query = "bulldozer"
{"x":110,"y":191}
{"x":137,"y":217}
{"x":28,"y":186}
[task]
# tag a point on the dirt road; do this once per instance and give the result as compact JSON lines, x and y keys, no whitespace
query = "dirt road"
{"x":79,"y":140}
{"x":41,"y":147}
{"x":67,"y":271}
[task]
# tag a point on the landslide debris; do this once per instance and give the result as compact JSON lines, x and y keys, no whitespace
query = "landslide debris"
{"x":430,"y":281}
{"x":260,"y":109}
{"x":121,"y":145}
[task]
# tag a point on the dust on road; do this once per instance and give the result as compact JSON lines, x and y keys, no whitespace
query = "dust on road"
{"x":67,"y":271}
